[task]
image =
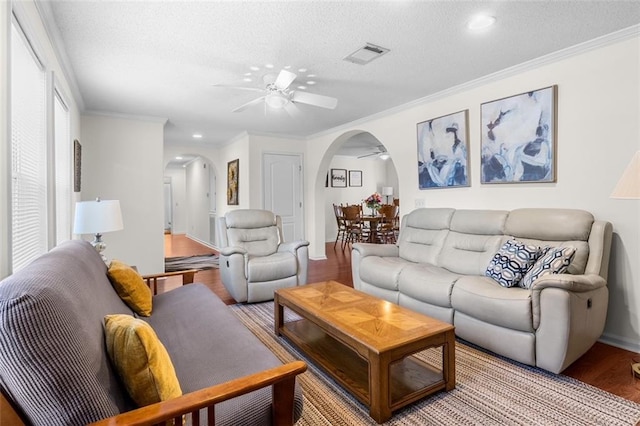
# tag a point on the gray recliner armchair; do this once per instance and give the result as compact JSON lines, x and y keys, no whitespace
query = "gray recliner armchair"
{"x":254,"y":259}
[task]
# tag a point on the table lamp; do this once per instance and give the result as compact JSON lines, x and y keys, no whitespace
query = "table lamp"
{"x":97,"y":217}
{"x":628,"y":186}
{"x":387,"y":191}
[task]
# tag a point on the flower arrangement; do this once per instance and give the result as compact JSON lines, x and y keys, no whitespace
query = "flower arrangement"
{"x":373,"y":201}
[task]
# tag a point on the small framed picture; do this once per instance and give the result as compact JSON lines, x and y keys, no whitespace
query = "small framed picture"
{"x":233,"y":171}
{"x":339,"y":178}
{"x":355,"y":177}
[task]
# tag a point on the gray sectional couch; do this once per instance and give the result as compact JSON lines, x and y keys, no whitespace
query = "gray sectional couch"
{"x":438,"y":268}
{"x":54,"y":365}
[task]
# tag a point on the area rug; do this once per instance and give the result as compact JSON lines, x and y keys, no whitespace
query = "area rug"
{"x":490,"y":390}
{"x":181,"y":263}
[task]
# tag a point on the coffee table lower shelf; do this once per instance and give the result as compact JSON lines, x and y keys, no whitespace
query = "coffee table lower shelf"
{"x":410,"y":378}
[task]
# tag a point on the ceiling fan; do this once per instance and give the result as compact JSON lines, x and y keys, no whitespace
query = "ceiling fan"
{"x":278,"y":95}
{"x":381,"y":152}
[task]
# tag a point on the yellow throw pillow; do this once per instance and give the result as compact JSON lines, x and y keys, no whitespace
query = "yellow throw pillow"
{"x":141,"y":360}
{"x":130,"y":287}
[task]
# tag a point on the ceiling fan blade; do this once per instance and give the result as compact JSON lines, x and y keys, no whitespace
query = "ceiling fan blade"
{"x":249,"y":104}
{"x":292,"y":109}
{"x":314,"y":99}
{"x":285,"y":78}
{"x":368,"y":155}
{"x":250,"y":89}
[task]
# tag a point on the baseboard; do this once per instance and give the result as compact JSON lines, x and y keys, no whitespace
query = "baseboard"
{"x":317,"y":257}
{"x":204,"y":243}
{"x":619,"y":342}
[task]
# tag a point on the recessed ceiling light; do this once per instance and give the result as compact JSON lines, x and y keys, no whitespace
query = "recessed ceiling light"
{"x":384,"y":156}
{"x":311,"y":82}
{"x":247,"y":79}
{"x":270,"y":66}
{"x":247,"y":74}
{"x":178,"y":158}
{"x":481,"y":22}
{"x":197,"y":136}
{"x":302,"y":70}
{"x":311,"y":75}
{"x":302,"y":87}
{"x":287,"y":67}
{"x":254,"y":68}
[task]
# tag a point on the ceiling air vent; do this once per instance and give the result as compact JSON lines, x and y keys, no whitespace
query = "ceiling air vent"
{"x":366,"y":54}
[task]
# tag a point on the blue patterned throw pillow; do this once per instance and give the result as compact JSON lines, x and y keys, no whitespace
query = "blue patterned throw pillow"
{"x":511,"y":262}
{"x":555,"y":260}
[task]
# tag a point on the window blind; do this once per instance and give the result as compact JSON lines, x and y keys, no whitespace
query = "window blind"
{"x":62,"y":146}
{"x":28,"y":153}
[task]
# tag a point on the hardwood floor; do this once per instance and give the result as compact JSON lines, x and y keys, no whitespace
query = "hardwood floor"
{"x":603,"y":366}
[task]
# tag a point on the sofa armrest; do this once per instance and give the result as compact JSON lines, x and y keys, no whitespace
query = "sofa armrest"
{"x":567,"y":282}
{"x":382,"y":250}
{"x":281,"y":378}
{"x":152,"y":280}
{"x":228,"y":251}
{"x":292,"y":246}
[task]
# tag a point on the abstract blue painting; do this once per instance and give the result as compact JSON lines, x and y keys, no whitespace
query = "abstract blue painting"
{"x":443,"y":151}
{"x":518,"y":138}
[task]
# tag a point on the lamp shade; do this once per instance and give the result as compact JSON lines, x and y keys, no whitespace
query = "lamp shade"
{"x":629,"y":184}
{"x":97,"y":217}
{"x":387,"y":190}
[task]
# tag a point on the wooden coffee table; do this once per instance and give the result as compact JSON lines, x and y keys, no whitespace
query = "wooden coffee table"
{"x":366,"y":343}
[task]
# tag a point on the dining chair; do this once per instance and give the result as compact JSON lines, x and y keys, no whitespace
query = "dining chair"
{"x":353,"y":223}
{"x":342,"y":227}
{"x":387,"y":224}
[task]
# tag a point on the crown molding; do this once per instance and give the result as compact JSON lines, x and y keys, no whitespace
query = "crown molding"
{"x":150,"y":118}
{"x":578,"y":49}
{"x":53,"y":34}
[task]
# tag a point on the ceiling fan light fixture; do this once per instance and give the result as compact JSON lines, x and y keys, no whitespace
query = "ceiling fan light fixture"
{"x":276,"y":100}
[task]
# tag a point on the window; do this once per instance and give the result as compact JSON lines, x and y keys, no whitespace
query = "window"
{"x":28,"y":152}
{"x":62,"y":147}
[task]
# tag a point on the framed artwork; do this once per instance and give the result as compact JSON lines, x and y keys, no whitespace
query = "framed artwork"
{"x":232,"y":182}
{"x":518,"y":138}
{"x":339,"y":178}
{"x":77,"y":166}
{"x":443,"y":151}
{"x":355,"y":177}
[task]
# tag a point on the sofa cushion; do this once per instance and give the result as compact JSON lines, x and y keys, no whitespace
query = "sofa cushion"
{"x":130,"y":287}
{"x":382,"y":272}
{"x":141,"y":360}
{"x":213,"y":349}
{"x":556,"y":260}
{"x":422,"y":234}
{"x":274,"y":267}
{"x":511,"y":262}
{"x":427,"y":283}
{"x":468,"y":254}
{"x":53,"y":311}
{"x":486,"y":300}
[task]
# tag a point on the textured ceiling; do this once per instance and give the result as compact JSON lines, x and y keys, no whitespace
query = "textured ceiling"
{"x":161,"y":58}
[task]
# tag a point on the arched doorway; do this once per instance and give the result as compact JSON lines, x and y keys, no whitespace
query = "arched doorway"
{"x":190,"y":197}
{"x":360,"y":155}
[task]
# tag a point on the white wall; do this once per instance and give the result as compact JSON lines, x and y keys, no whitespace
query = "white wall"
{"x":178,"y":199}
{"x":598,"y":132}
{"x":122,"y":159}
{"x":374,"y":177}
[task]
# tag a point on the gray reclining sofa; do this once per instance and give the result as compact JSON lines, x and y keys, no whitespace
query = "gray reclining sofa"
{"x":438,"y":268}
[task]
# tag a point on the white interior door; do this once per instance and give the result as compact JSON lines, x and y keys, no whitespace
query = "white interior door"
{"x":283,"y":191}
